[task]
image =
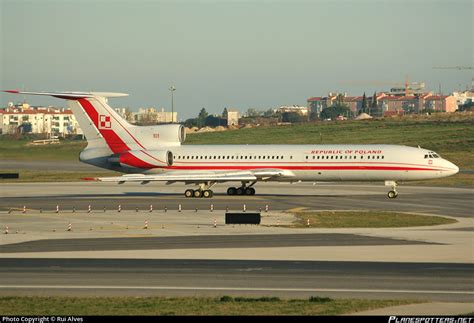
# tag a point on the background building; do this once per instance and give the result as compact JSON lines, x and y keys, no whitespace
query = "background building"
{"x":153,"y":116}
{"x":232,"y":116}
{"x":38,"y":120}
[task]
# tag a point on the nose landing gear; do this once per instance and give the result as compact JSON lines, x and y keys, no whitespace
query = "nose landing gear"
{"x":393,"y":193}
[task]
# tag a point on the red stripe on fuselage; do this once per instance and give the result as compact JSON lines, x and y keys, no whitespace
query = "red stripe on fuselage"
{"x":392,"y":168}
{"x":115,"y":143}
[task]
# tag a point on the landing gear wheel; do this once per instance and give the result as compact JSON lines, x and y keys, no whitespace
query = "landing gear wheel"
{"x":197,"y":193}
{"x":239,"y":191}
{"x":189,"y":193}
{"x":392,"y":194}
{"x":207,"y":193}
{"x":249,"y":191}
{"x":231,"y":191}
{"x":253,"y":190}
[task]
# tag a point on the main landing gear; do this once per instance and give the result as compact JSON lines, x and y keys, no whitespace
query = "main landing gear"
{"x":198,"y":193}
{"x":203,"y":191}
{"x":243,"y":190}
{"x":393,"y":193}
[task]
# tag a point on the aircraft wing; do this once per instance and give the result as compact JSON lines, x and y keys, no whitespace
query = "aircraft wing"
{"x":200,"y":177}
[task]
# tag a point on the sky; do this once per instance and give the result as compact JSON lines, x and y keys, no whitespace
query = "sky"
{"x":234,"y":54}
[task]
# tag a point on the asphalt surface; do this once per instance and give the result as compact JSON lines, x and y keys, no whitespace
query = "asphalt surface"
{"x":201,"y":242}
{"x":227,"y":277}
{"x":322,"y":196}
{"x":445,"y":281}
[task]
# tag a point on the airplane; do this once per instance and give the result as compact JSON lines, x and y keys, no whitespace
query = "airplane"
{"x":155,"y":153}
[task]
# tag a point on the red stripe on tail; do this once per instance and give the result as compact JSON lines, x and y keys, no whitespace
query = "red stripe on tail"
{"x":115,"y":143}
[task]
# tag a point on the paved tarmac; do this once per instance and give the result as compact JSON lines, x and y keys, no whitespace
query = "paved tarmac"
{"x":434,"y":281}
{"x":279,"y":196}
{"x":184,"y":253}
{"x":202,"y":242}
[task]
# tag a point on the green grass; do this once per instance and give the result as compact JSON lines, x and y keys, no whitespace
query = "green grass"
{"x":451,"y":135}
{"x":369,"y":219}
{"x":19,"y":149}
{"x":225,"y":305}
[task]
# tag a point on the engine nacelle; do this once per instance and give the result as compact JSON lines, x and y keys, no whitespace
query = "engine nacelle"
{"x":161,"y":135}
{"x":143,"y":159}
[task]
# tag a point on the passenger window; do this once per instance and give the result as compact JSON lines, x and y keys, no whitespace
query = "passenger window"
{"x":361,"y":157}
{"x":378,"y":157}
{"x":307,"y":157}
{"x":332,"y":157}
{"x":382,"y":157}
{"x":273,"y":157}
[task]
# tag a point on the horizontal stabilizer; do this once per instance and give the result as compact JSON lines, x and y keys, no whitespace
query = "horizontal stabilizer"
{"x":71,"y":95}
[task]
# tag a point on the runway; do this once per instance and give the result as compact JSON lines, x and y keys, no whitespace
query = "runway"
{"x":226,"y":277}
{"x":279,"y":196}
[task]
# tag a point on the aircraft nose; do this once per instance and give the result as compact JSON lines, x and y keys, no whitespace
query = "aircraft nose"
{"x":455,"y":169}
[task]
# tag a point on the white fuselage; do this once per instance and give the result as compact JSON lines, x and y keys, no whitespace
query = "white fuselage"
{"x":314,"y":162}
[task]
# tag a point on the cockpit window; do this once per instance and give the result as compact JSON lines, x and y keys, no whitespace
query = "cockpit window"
{"x":432,"y":155}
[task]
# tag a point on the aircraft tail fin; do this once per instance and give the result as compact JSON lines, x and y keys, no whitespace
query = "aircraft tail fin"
{"x":103,"y":127}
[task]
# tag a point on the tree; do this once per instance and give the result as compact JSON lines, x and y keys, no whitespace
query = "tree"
{"x":128,"y":115}
{"x":203,"y":114}
{"x":292,"y":117}
{"x":212,"y":121}
{"x":373,"y":105}
{"x":363,"y":109}
{"x":269,"y":113}
{"x":201,"y":119}
{"x":468,"y":106}
{"x":334,"y":111}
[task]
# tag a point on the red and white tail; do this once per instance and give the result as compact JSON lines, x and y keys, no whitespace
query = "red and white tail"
{"x":102,"y":126}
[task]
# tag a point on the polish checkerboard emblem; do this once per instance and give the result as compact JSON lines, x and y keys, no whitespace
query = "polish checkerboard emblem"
{"x":104,"y":122}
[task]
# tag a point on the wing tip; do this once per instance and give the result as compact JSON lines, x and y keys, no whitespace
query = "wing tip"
{"x":12,"y":91}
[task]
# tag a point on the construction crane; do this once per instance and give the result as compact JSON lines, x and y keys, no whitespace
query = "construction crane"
{"x":453,"y":67}
{"x":408,"y":87}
